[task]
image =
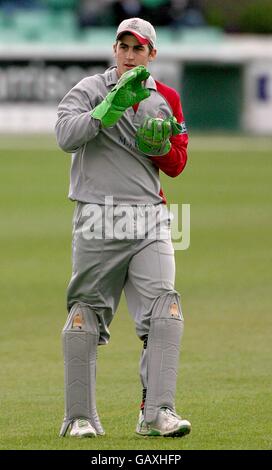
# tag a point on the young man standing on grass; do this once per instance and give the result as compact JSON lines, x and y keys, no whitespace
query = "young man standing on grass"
{"x":122,"y":128}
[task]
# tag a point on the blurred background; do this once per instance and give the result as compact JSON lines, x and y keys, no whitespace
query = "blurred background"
{"x":217,"y":54}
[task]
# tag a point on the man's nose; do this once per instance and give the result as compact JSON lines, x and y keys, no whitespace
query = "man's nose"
{"x":130,"y":53}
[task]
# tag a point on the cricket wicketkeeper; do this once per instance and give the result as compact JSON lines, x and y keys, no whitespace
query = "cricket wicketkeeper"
{"x":122,"y":127}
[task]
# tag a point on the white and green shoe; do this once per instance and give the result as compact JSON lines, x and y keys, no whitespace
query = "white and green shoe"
{"x":167,"y":424}
{"x":82,"y":428}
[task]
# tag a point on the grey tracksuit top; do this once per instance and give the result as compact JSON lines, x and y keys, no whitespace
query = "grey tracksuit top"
{"x":106,"y":162}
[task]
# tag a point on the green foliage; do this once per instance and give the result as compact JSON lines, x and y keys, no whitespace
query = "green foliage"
{"x":215,"y":17}
{"x":257,"y":17}
{"x":248,"y":16}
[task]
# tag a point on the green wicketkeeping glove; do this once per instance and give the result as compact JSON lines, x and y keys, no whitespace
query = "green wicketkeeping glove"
{"x":152,"y":138}
{"x":127,"y":92}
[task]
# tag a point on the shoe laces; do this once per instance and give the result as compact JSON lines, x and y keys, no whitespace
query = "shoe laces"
{"x":82,"y":423}
{"x":170,"y":414}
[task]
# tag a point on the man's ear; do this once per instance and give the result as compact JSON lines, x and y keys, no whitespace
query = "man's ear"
{"x":152,"y":55}
{"x":114,"y":49}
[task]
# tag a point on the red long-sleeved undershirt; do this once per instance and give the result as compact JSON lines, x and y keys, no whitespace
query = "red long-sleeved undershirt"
{"x":173,"y":162}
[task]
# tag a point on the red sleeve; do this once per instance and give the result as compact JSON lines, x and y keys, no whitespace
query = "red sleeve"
{"x":173,"y":162}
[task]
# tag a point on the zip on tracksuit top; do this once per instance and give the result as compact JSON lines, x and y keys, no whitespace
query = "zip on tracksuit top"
{"x":106,"y":162}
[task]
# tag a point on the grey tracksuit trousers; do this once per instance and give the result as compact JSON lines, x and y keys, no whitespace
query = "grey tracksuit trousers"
{"x":102,"y":268}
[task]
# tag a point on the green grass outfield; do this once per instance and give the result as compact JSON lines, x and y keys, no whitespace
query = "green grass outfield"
{"x":224,"y":385}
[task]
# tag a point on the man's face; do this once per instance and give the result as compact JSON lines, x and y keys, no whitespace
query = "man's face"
{"x":129,"y":53}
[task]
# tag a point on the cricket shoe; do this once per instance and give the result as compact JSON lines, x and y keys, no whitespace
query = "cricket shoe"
{"x":167,"y":424}
{"x":82,"y":428}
